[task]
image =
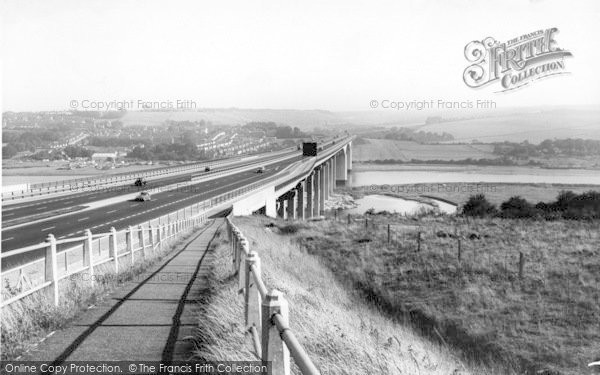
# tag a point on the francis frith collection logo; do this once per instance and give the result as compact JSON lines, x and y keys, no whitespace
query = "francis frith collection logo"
{"x":516,"y":62}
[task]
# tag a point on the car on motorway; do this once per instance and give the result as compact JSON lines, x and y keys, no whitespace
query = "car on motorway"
{"x":207,"y":169}
{"x":260,"y":170}
{"x":143,"y":197}
{"x":140,"y":182}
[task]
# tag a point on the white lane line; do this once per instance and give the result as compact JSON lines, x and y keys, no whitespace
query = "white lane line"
{"x":110,"y":212}
{"x":45,"y":229}
{"x":9,"y":214}
{"x":8,"y":239}
{"x":85,"y":218}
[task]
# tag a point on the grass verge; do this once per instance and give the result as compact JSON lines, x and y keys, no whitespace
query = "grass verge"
{"x":342,"y":333}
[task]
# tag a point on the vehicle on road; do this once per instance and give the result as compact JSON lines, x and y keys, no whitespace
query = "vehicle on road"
{"x":207,"y":169}
{"x":140,"y":182}
{"x":260,"y":170}
{"x":143,"y":197}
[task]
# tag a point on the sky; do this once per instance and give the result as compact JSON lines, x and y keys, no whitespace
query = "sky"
{"x":330,"y":55}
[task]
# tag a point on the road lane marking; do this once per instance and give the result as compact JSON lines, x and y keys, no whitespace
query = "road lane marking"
{"x":110,"y":212}
{"x":85,"y":218}
{"x":45,"y":229}
{"x":40,"y":208}
{"x":12,"y":213}
{"x":8,"y":239}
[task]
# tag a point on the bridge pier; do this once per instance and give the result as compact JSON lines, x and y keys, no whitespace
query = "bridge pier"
{"x":300,"y":200}
{"x":291,"y":203}
{"x":317,"y":193}
{"x":309,"y":196}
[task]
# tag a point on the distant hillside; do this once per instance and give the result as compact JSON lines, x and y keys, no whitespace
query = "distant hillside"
{"x":515,"y":125}
{"x":533,"y":127}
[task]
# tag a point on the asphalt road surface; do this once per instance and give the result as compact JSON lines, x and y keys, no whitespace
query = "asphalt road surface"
{"x":32,"y":208}
{"x":123,"y":214}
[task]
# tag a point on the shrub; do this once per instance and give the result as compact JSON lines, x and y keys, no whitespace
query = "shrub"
{"x":479,"y":206}
{"x":517,"y":207}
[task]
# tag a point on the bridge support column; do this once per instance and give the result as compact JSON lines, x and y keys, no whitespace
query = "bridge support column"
{"x":325,"y":184}
{"x":281,"y":210}
{"x":331,"y":176}
{"x":322,"y":178}
{"x":309,"y":196}
{"x":341,"y":167}
{"x":291,"y":203}
{"x":317,"y":193}
{"x":300,"y":201}
{"x":349,"y":157}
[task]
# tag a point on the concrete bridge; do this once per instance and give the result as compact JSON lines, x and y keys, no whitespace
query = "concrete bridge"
{"x":303,"y":195}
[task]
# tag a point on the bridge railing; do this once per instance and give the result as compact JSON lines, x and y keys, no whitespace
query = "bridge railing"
{"x":266,"y":313}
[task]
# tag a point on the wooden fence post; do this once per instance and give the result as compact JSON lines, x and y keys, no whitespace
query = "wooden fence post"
{"x":142,"y":240}
{"x":129,"y":242}
{"x":51,"y":273}
{"x":274,"y":349}
{"x":88,"y":256}
{"x":388,"y":240}
{"x":521,"y":264}
{"x":243,"y":249}
{"x":459,"y":249}
{"x":418,"y":241}
{"x":252,"y":295}
{"x":159,"y":237}
{"x":112,"y":248}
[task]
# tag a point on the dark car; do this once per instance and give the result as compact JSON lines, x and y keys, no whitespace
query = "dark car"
{"x":140,"y":182}
{"x":207,"y":169}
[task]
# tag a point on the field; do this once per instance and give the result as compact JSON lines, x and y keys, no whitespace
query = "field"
{"x":534,"y":126}
{"x":341,"y":332}
{"x":547,"y":318}
{"x":381,"y":149}
{"x":14,"y":173}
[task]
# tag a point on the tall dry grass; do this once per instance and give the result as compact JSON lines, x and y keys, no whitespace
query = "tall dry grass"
{"x":548,"y":320}
{"x":341,"y":332}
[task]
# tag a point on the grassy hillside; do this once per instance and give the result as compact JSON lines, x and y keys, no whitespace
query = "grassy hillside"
{"x":478,"y":305}
{"x":381,"y":149}
{"x":341,"y":332}
{"x":534,"y":126}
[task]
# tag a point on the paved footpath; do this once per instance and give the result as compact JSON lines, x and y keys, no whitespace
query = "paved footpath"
{"x":146,"y":319}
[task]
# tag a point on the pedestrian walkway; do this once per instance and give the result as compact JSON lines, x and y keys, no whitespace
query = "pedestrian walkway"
{"x":146,"y":319}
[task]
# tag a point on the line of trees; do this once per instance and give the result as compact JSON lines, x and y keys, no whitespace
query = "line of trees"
{"x":549,"y":147}
{"x":568,"y":205}
{"x":168,"y":151}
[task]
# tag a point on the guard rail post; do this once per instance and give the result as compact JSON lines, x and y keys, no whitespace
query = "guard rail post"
{"x":159,"y":238}
{"x":142,"y":241}
{"x":243,"y":250}
{"x":51,"y":274}
{"x":129,"y":242}
{"x":252,"y":295}
{"x":112,"y":248}
{"x":88,"y":256}
{"x":152,"y":239}
{"x":274,"y":349}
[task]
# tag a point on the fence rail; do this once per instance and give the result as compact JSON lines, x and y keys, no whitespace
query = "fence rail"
{"x":266,"y":313}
